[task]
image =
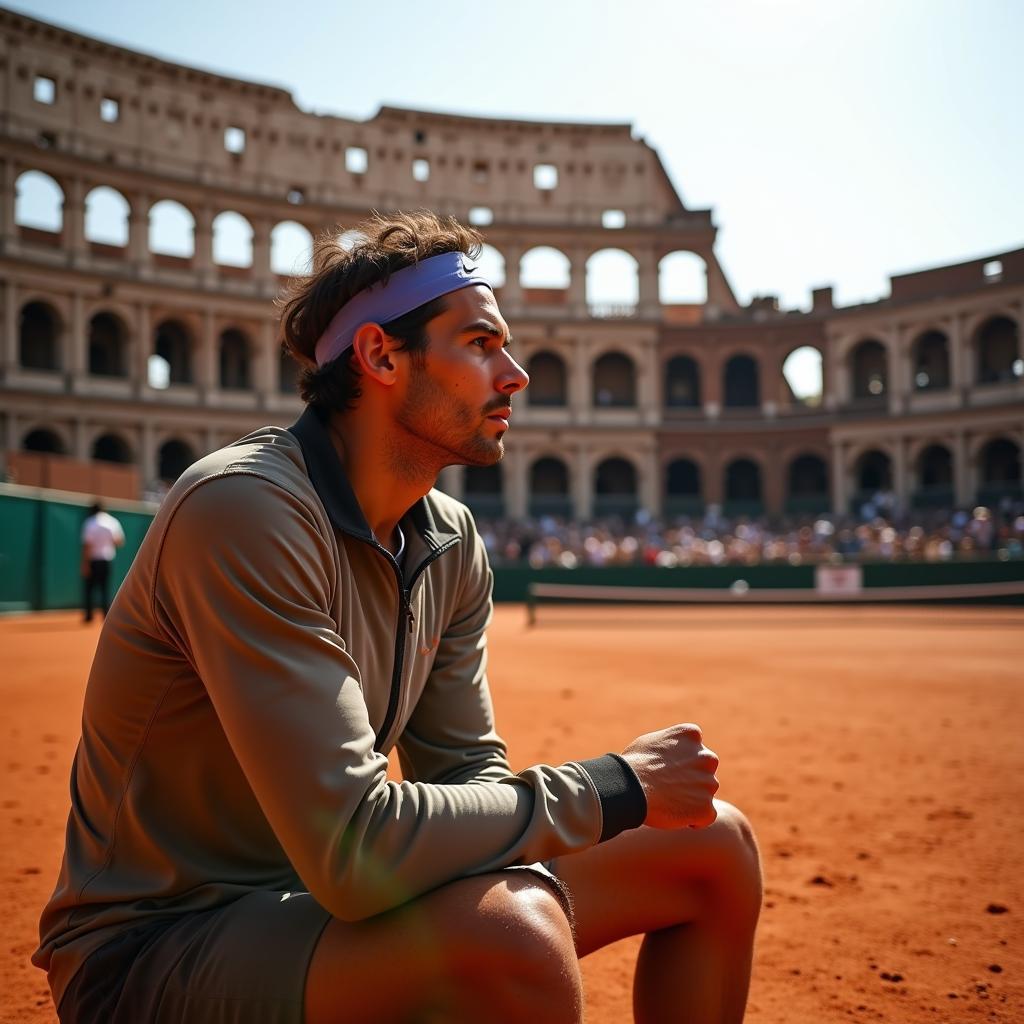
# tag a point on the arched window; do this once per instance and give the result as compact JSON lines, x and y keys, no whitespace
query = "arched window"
{"x":173,"y":458}
{"x":682,"y":280}
{"x":43,"y":440}
{"x":291,"y":249}
{"x":802,"y":372}
{"x":683,"y":488}
{"x":547,"y":380}
{"x":614,"y":381}
{"x":232,"y":240}
{"x":615,"y":488}
{"x":39,"y":202}
{"x":174,"y":346}
{"x":549,"y":488}
{"x":107,"y":217}
{"x":999,"y":471}
{"x":287,"y":374}
{"x":108,"y":346}
{"x":491,"y":265}
{"x":998,"y":347}
{"x":807,"y":485}
{"x":112,"y":448}
{"x":234,"y":360}
{"x":869,"y":367}
{"x":934,"y":478}
{"x":872,"y":476}
{"x":612,"y":283}
{"x":682,"y":383}
{"x":741,"y":386}
{"x":38,"y":331}
{"x":743,"y":488}
{"x":544,"y":268}
{"x":930,"y":357}
{"x":482,"y":491}
{"x":172,"y":230}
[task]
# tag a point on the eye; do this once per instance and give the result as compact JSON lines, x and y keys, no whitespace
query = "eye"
{"x":482,"y":341}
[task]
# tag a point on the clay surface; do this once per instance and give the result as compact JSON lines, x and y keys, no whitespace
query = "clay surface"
{"x":877,"y":751}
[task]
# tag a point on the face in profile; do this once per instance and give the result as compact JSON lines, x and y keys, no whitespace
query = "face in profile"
{"x":459,"y":392}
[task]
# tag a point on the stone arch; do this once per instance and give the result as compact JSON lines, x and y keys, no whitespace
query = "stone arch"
{"x":683,"y":488}
{"x":549,"y":378}
{"x":997,"y":351}
{"x":741,"y":382}
{"x":872,"y":475}
{"x":174,"y":456}
{"x":38,"y":202}
{"x":803,"y":372}
{"x":291,"y":249}
{"x":616,"y":487}
{"x":491,"y":265}
{"x":612,"y":281}
{"x":743,"y":487}
{"x":930,"y":361}
{"x":999,"y":471}
{"x":682,"y":279}
{"x":39,"y":336}
{"x":613,"y":381}
{"x":545,"y":267}
{"x":175,"y":345}
{"x":107,"y":217}
{"x":44,"y":440}
{"x":483,"y":490}
{"x":172,"y":229}
{"x":234,"y":351}
{"x":549,"y":483}
{"x":807,"y":489}
{"x":108,"y":345}
{"x":682,"y":383}
{"x":112,"y":447}
{"x":933,"y":477}
{"x":869,"y":370}
{"x":232,"y":240}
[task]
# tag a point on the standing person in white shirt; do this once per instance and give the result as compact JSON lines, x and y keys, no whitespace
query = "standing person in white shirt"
{"x":101,"y":537}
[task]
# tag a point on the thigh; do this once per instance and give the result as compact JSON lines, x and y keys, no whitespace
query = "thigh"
{"x":647,"y":879}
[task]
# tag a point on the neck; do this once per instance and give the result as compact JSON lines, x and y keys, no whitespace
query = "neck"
{"x":385,"y":477}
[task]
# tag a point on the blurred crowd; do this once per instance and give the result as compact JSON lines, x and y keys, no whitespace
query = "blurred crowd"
{"x":925,"y":536}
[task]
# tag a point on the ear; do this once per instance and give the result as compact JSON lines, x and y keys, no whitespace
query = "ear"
{"x":374,"y":353}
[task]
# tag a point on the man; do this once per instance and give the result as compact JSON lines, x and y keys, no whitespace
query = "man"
{"x":305,"y":603}
{"x":101,"y":537}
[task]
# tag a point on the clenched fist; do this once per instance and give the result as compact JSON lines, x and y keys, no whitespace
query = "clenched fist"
{"x":677,"y":773}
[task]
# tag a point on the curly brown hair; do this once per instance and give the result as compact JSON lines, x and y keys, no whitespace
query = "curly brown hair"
{"x":383,"y":244}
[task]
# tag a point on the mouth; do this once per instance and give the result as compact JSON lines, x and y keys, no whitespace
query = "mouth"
{"x":501,"y":416}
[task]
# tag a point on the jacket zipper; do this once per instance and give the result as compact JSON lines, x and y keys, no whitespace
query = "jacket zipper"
{"x":401,"y":637}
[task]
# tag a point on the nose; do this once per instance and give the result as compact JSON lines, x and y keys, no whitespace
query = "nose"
{"x":512,"y":377}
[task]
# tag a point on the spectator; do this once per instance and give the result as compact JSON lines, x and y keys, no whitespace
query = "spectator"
{"x":101,"y":537}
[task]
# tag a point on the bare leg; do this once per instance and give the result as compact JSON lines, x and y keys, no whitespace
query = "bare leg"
{"x":696,"y":894}
{"x":493,"y":948}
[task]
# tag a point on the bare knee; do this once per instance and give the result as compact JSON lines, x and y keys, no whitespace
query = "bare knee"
{"x":736,"y":858}
{"x":522,"y":955}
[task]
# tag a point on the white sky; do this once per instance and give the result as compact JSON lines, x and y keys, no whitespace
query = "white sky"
{"x":837,"y":142}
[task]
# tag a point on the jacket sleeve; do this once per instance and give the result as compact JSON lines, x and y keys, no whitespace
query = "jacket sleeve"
{"x":244,"y":587}
{"x":450,"y":737}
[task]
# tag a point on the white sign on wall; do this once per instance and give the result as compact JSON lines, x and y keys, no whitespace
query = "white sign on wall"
{"x":838,"y":579}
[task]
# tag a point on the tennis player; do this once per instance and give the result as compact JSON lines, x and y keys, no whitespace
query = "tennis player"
{"x":303,"y":605}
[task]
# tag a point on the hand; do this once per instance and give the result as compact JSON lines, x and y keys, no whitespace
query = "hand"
{"x":677,"y":773}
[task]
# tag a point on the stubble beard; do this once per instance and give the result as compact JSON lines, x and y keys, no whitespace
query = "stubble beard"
{"x":444,"y":431}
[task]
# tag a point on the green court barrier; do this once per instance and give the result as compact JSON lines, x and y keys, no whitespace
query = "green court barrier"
{"x":41,"y":547}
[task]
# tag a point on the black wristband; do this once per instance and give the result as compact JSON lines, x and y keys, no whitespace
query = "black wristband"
{"x":623,"y":801}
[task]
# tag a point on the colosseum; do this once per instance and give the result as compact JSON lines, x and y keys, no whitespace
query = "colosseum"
{"x":136,"y":340}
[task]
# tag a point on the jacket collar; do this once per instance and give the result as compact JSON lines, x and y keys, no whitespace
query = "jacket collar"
{"x":330,"y":481}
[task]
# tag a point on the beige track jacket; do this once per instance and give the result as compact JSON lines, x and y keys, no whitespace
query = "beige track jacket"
{"x":259,"y":662}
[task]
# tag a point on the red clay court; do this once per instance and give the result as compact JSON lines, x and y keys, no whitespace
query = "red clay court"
{"x":877,"y":751}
